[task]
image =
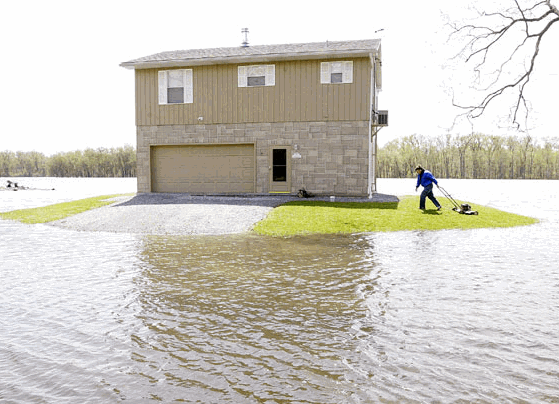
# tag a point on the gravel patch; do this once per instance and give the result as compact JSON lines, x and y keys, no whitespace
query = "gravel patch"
{"x":185,"y":214}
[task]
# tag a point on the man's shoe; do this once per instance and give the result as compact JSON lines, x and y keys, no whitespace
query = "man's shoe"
{"x":439,"y":208}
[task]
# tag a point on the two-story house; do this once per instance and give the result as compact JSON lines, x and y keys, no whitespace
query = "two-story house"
{"x":259,"y":119}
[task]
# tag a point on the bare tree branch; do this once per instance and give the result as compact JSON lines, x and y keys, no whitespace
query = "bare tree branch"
{"x":498,"y":32}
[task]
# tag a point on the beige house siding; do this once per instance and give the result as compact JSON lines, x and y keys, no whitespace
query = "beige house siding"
{"x":328,"y":158}
{"x":297,"y":96}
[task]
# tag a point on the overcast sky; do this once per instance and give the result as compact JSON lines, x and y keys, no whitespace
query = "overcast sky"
{"x":63,"y":88}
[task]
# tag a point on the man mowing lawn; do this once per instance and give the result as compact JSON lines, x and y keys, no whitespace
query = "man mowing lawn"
{"x":426,"y":179}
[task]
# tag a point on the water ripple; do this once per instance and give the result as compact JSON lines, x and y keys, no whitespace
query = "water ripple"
{"x":407,"y":317}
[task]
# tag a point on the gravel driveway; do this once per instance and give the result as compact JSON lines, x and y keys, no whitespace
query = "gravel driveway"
{"x":184,"y":214}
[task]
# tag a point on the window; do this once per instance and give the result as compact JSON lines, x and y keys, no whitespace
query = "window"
{"x":175,"y":86}
{"x":256,"y":81}
{"x":258,"y":75}
{"x":337,"y":78}
{"x":336,"y":72}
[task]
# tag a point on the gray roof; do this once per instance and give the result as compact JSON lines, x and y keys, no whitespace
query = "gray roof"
{"x":259,"y":53}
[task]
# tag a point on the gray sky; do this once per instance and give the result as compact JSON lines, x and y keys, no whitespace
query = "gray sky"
{"x":63,"y":88}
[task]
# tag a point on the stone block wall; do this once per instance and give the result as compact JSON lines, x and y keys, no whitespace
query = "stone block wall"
{"x":333,"y":155}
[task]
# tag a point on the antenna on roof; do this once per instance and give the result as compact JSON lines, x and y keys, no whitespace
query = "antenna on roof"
{"x":245,"y":42}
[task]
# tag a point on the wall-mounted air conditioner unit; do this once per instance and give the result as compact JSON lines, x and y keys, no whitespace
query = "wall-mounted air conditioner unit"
{"x":382,"y":118}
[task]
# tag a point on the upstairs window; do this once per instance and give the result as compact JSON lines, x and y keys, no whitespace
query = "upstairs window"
{"x":257,"y":75}
{"x":336,"y":72}
{"x":175,"y":86}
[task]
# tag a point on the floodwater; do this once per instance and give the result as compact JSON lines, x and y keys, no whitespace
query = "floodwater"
{"x":404,"y":317}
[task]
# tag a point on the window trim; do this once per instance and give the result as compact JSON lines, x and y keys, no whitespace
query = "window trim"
{"x":268,"y":71}
{"x":344,"y":67}
{"x":163,"y":80}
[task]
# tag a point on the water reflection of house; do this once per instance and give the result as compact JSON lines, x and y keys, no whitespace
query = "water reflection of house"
{"x":259,"y":119}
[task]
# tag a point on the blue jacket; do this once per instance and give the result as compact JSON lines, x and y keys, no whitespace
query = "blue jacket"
{"x":426,"y":179}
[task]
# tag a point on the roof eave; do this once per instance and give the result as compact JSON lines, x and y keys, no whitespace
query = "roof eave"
{"x":250,"y":59}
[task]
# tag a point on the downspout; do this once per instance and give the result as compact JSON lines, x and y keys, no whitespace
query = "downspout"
{"x":373,"y":109}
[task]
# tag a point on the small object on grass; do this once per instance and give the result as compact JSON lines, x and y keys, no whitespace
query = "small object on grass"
{"x":463,"y":209}
{"x":304,"y":194}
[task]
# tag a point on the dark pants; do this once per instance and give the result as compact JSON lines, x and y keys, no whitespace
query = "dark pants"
{"x":427,"y":192}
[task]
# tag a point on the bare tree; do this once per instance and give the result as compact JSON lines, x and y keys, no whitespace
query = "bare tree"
{"x":503,"y":48}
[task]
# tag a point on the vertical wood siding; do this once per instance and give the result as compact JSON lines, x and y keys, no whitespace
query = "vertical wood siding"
{"x":297,"y":96}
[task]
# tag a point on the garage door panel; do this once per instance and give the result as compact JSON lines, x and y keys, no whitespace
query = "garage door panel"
{"x":239,"y":174}
{"x":204,"y":169}
{"x":204,"y":187}
{"x":247,"y":162}
{"x":245,"y":188}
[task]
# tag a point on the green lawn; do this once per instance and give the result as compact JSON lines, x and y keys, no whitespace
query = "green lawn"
{"x":312,"y":217}
{"x":309,"y":217}
{"x":58,"y":211}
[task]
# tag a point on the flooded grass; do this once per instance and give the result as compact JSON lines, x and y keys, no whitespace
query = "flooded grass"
{"x":58,"y":211}
{"x":306,"y":217}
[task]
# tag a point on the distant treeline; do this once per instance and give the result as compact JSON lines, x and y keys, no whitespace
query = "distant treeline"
{"x":473,"y":156}
{"x":119,"y":162}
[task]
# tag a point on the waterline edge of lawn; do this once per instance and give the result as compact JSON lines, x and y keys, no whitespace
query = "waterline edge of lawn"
{"x":58,"y":211}
{"x":318,"y":217}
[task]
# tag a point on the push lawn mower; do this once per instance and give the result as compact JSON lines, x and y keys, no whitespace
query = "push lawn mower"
{"x":463,"y":209}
